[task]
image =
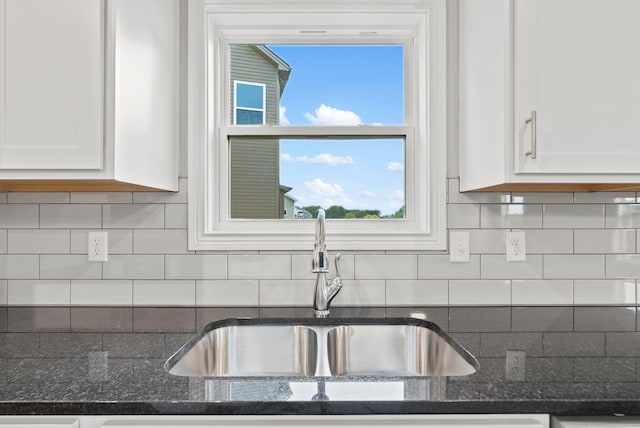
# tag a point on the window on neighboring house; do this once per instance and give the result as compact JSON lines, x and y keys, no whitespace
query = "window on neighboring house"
{"x":375,"y":129}
{"x":249,"y":103}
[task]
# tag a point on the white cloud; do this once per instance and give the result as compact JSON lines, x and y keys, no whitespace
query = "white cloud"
{"x":327,"y":194}
{"x":327,"y":115}
{"x":368,"y":194}
{"x":283,"y":116}
{"x":395,"y":166}
{"x":398,"y":195}
{"x":322,"y":158}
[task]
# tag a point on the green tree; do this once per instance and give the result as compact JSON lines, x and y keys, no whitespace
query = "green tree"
{"x":335,"y":211}
{"x":350,"y":214}
{"x":313,"y":209}
{"x":399,"y":213}
{"x":371,"y":216}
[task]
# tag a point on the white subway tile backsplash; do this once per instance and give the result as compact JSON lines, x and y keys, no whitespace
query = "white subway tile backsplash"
{"x":439,"y":267}
{"x":201,"y":266}
{"x":508,"y":216}
{"x":605,"y":198}
{"x":261,"y":266}
{"x":623,"y":216}
{"x":487,"y":241}
{"x":4,"y":285}
{"x":160,"y":241}
{"x":120,"y":216}
{"x":578,"y":216}
{"x":227,"y":293}
{"x":594,"y":241}
{"x":175,"y":216}
{"x":134,"y":267}
{"x":480,"y":292}
{"x":102,"y":292}
{"x":549,"y":241}
{"x":604,"y":292}
{"x":369,"y":292}
{"x":38,"y":241}
{"x":497,"y":267}
{"x":37,"y":292}
{"x":623,"y":265}
{"x":4,"y":241}
{"x":287,"y":293}
{"x":16,"y":266}
{"x":69,"y":267}
{"x":19,"y":216}
{"x":541,"y":198}
{"x":164,"y":293}
{"x":301,"y":266}
{"x":582,"y":249}
{"x":386,"y":266}
{"x":38,"y":198}
{"x":571,"y":266}
{"x":417,"y":292}
{"x":118,"y":241}
{"x":70,"y":216}
{"x":463,"y":216}
{"x":541,"y":292}
{"x":101,"y":198}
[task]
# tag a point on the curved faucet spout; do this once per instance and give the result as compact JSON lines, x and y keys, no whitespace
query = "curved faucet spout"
{"x":325,"y":290}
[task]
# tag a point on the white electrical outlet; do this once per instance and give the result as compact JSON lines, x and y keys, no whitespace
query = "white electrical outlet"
{"x":98,"y":247}
{"x":516,"y":247}
{"x":459,"y":247}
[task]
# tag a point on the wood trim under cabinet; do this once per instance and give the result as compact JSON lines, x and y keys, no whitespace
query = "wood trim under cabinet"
{"x":73,"y":186}
{"x":561,"y":187}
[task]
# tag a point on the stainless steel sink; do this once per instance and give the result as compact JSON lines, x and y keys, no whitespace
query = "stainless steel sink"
{"x":316,"y":347}
{"x":248,"y":350}
{"x":395,"y":350}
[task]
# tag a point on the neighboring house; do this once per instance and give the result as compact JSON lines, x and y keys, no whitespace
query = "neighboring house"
{"x":302,"y":213}
{"x":258,"y":78}
{"x":288,"y":203}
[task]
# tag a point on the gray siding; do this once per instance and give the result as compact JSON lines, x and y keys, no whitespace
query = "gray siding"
{"x":255,"y":166}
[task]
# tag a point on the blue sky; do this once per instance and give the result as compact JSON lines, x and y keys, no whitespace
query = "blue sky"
{"x":333,"y":85}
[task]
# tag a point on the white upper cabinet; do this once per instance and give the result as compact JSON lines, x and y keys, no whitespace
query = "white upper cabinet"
{"x":89,"y":94}
{"x":550,"y":94}
{"x":51,"y":80}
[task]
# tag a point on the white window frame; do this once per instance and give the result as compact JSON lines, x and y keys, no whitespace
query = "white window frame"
{"x":419,"y":24}
{"x":235,"y":100}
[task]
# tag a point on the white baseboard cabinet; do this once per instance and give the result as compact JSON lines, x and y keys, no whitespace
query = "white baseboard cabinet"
{"x":596,"y":422}
{"x":288,"y":421}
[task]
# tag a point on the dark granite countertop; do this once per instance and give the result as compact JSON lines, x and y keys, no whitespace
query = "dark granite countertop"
{"x":99,"y":360}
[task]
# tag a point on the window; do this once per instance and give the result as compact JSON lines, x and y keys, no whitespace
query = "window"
{"x":249,"y":103}
{"x":248,"y":158}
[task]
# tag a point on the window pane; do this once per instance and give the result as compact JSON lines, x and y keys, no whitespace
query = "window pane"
{"x":322,"y":84}
{"x":350,"y":178}
{"x":249,"y":117}
{"x":249,"y":96}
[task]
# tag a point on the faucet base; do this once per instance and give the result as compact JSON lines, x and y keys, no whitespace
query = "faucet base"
{"x":321,"y":314}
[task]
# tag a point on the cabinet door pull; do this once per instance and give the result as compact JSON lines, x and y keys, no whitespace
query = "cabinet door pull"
{"x":533,"y":121}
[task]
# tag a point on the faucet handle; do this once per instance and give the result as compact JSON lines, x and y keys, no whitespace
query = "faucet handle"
{"x":337,"y":263}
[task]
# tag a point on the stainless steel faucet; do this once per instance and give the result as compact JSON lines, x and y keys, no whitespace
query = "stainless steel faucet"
{"x":325,"y":290}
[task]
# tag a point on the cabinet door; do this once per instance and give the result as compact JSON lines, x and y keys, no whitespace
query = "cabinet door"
{"x":51,"y":84}
{"x":577,"y":66}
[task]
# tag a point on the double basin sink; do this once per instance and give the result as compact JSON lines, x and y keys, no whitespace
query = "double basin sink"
{"x":321,"y":347}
